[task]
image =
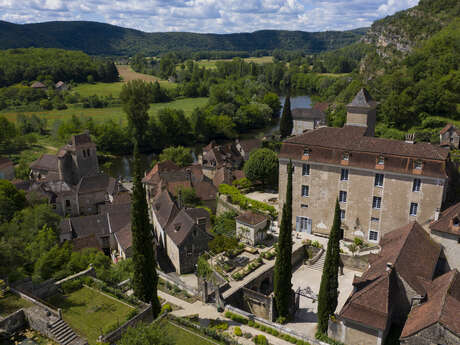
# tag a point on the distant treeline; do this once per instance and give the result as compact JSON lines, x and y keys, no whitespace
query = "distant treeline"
{"x":29,"y":64}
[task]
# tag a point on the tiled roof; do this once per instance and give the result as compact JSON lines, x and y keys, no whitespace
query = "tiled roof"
{"x":181,"y":226}
{"x":442,"y":306}
{"x":251,"y":218}
{"x":308,"y":114}
{"x":46,"y":162}
{"x":89,"y":241}
{"x":412,"y":255}
{"x":223,"y":175}
{"x":448,"y":127}
{"x":86,"y":225}
{"x":5,"y":162}
{"x":100,"y":182}
{"x":125,"y":237}
{"x":205,"y":190}
{"x":449,"y":221}
{"x":249,"y":145}
{"x":38,"y":85}
{"x":323,"y":106}
{"x":164,"y":207}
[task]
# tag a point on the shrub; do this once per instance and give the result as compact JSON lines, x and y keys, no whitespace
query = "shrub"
{"x":263,"y":328}
{"x":238,"y":332}
{"x":358,"y":241}
{"x":281,"y":319}
{"x":316,"y":244}
{"x":257,"y":325}
{"x":235,"y":197}
{"x":275,"y":332}
{"x":260,"y":340}
{"x":131,"y":314}
{"x":251,"y":323}
{"x":228,"y":314}
{"x":71,"y":285}
{"x":247,"y":335}
{"x":166,"y":308}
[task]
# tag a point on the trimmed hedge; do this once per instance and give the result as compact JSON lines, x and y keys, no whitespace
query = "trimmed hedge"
{"x":244,"y":202}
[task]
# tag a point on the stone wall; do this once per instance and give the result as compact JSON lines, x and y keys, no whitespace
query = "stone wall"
{"x":357,"y":263}
{"x":450,"y":246}
{"x":41,"y":290}
{"x":224,"y":206}
{"x":435,"y":334}
{"x":258,"y":304}
{"x":13,"y":322}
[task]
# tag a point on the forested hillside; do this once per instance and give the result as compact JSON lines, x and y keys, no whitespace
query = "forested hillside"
{"x":104,"y":39}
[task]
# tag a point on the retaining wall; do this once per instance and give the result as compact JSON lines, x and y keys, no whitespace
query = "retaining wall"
{"x":13,"y":322}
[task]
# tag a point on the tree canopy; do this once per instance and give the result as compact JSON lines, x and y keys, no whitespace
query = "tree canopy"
{"x":262,"y":166}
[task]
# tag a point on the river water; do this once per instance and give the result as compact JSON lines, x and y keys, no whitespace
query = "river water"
{"x":121,"y":166}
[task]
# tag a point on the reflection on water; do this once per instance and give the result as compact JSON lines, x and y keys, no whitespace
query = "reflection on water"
{"x":122,"y":166}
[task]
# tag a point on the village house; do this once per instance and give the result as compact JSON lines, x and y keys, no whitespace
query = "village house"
{"x":381,"y":184}
{"x":246,"y":146}
{"x":216,"y":156}
{"x":436,"y":320}
{"x":61,"y":86}
{"x":251,"y":227}
{"x":6,"y":168}
{"x":384,"y":294}
{"x":39,"y":86}
{"x":446,"y":230}
{"x":306,"y":119}
{"x":449,"y":136}
{"x":180,"y":232}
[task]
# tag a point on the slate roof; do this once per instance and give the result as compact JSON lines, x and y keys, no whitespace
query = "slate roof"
{"x":305,"y":114}
{"x":205,"y":190}
{"x":164,"y":207}
{"x":5,"y":162}
{"x":81,"y":243}
{"x":95,"y":183}
{"x":125,"y":237}
{"x":251,"y":218}
{"x":81,"y":139}
{"x":442,"y":306}
{"x":250,"y":145}
{"x":86,"y":225}
{"x":363,"y":99}
{"x":413,"y":256}
{"x":223,"y":175}
{"x":179,"y":229}
{"x":46,"y":162}
{"x":449,"y":221}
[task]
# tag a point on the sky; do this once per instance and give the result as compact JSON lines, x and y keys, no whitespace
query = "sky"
{"x":217,"y":16}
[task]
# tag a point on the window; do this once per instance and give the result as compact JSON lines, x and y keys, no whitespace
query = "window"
{"x":84,"y":153}
{"x":381,"y":160}
{"x":378,"y":180}
{"x":306,"y":152}
{"x":346,"y":156}
{"x":342,"y":196}
{"x":305,"y":169}
{"x":416,"y":185}
{"x":373,"y":235}
{"x":344,"y":175}
{"x":67,"y":203}
{"x":413,"y":208}
{"x":88,"y":153}
{"x":305,"y":191}
{"x":418,"y":165}
{"x":375,"y":219}
{"x":303,"y":206}
{"x":342,"y":214}
{"x":376,"y":202}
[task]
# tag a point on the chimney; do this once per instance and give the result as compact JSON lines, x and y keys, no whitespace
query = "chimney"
{"x":179,"y":200}
{"x":416,"y":300}
{"x":410,"y":138}
{"x":436,"y":214}
{"x":188,"y":172}
{"x":389,"y":266}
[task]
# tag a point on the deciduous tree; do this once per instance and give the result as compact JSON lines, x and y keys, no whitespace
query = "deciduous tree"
{"x":262,"y":166}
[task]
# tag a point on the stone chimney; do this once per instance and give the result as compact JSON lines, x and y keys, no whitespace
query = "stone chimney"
{"x":389,"y":266}
{"x":436,"y":214}
{"x":361,"y":112}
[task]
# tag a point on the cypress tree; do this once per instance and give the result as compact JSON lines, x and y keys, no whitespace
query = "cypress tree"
{"x":283,"y":267}
{"x":286,"y":123}
{"x":328,"y":292}
{"x":145,"y":279}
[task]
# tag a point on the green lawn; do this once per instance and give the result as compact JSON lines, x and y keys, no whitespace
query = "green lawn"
{"x":115,"y":113}
{"x":89,"y":312}
{"x":182,"y":336}
{"x":10,"y":303}
{"x":100,"y":89}
{"x":211,"y":64}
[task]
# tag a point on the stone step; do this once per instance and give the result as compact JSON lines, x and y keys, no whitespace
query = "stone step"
{"x":71,"y":337}
{"x":318,"y":265}
{"x":62,"y":332}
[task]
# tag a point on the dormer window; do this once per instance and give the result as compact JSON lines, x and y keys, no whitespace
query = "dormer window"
{"x":346,"y":156}
{"x":177,"y":226}
{"x":306,"y":152}
{"x":456,"y":221}
{"x":381,"y":160}
{"x":418,"y":165}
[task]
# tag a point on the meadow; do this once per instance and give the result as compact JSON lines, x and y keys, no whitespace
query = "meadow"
{"x":211,"y":64}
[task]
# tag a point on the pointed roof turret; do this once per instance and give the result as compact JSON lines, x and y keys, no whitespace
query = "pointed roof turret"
{"x":363,"y":99}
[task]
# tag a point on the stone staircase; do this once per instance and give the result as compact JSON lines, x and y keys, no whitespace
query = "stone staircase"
{"x":319,"y":264}
{"x":62,"y":332}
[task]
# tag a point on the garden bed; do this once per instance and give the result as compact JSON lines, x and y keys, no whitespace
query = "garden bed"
{"x":175,"y":291}
{"x":252,"y":266}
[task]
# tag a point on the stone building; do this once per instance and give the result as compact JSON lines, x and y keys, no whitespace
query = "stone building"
{"x":6,"y":169}
{"x":246,"y":146}
{"x":180,"y":232}
{"x":381,"y":184}
{"x":251,"y":227}
{"x":384,"y":294}
{"x":306,"y":119}
{"x":216,"y":156}
{"x":449,"y":136}
{"x":436,"y":320}
{"x":446,"y":231}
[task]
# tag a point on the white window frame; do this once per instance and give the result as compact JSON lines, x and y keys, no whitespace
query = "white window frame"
{"x":307,"y":189}
{"x":369,"y":235}
{"x":346,"y":156}
{"x":344,"y":174}
{"x":381,"y":160}
{"x":306,"y":152}
{"x":418,"y":164}
{"x":378,"y":180}
{"x":375,"y":203}
{"x":345,"y":196}
{"x":305,"y":169}
{"x":416,"y":185}
{"x":413,"y":205}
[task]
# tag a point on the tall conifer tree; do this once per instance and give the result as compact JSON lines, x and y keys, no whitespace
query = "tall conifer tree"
{"x":328,"y":292}
{"x":145,"y":279}
{"x":286,"y":122}
{"x":283,"y":266}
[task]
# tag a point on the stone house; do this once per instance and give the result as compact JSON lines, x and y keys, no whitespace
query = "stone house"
{"x":446,"y":231}
{"x":251,"y":227}
{"x":6,"y":169}
{"x":305,"y":119}
{"x":61,"y":86}
{"x":94,"y":191}
{"x":216,"y":156}
{"x":381,"y":184}
{"x":181,"y":233}
{"x":436,"y":320}
{"x":384,"y":294}
{"x":246,"y":146}
{"x":227,"y":175}
{"x":449,"y":136}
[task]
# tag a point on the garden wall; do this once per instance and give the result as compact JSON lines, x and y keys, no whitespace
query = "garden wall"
{"x":13,"y":322}
{"x":41,"y":290}
{"x":357,"y":263}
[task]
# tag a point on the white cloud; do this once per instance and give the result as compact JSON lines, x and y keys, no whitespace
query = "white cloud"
{"x":220,"y":16}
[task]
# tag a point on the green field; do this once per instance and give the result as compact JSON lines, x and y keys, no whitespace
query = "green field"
{"x":10,"y":303}
{"x":89,"y":312}
{"x":114,"y":113}
{"x":182,"y":336}
{"x":211,"y":64}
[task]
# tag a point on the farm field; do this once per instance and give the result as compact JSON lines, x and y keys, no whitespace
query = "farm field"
{"x":128,"y":74}
{"x":211,"y":64}
{"x":89,"y":312}
{"x":114,"y":113}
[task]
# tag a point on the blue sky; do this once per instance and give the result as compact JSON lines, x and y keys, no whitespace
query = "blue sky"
{"x":219,"y":16}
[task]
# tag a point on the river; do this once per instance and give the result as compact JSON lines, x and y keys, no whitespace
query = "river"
{"x":122,"y":166}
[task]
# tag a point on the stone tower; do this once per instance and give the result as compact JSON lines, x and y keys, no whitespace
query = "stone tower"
{"x":362,"y":112}
{"x":78,"y":159}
